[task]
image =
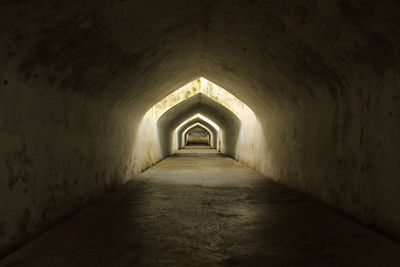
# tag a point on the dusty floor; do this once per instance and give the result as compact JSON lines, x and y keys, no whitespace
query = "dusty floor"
{"x":198,"y":208}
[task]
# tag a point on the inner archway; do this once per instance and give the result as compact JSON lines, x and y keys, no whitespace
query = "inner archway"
{"x":182,"y":134}
{"x":197,"y":136}
{"x":199,"y":119}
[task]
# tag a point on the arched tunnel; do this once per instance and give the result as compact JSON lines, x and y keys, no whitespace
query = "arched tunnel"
{"x":198,"y":135}
{"x":306,"y":173}
{"x":198,"y":123}
{"x":199,"y":103}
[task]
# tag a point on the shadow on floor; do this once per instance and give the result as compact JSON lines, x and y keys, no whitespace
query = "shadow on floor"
{"x":146,"y":223}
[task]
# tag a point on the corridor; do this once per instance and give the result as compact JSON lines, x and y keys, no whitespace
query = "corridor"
{"x":200,"y":208}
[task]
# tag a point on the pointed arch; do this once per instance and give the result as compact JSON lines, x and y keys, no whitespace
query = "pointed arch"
{"x":193,"y":126}
{"x":193,"y":131}
{"x":199,"y":103}
{"x":211,"y":128}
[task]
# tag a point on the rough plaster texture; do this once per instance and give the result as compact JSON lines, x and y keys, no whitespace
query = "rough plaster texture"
{"x":58,"y":152}
{"x":146,"y":149}
{"x":201,"y":208}
{"x":76,"y":78}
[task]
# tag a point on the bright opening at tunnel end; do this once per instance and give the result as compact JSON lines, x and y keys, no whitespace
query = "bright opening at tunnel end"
{"x":233,"y":127}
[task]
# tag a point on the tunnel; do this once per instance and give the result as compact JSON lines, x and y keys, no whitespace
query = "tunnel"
{"x":299,"y":158}
{"x":212,"y":132}
{"x":197,"y":136}
{"x":205,"y":106}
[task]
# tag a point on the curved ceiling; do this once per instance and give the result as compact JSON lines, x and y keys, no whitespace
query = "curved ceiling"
{"x":322,"y":77}
{"x":281,"y":53}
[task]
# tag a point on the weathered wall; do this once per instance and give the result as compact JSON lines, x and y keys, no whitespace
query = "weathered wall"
{"x":325,"y":79}
{"x":146,"y":148}
{"x":64,"y":138}
{"x":344,"y":154}
{"x":321,"y":76}
{"x":252,"y":149}
{"x":57,"y":153}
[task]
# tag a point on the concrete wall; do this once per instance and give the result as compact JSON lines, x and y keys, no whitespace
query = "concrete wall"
{"x":252,"y":149}
{"x":67,"y":126}
{"x":327,"y":97}
{"x":194,"y":139}
{"x":322,"y":78}
{"x":57,"y":153}
{"x":146,"y":150}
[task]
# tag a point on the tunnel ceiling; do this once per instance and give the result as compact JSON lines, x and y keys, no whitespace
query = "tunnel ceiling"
{"x":122,"y":51}
{"x":77,"y":78}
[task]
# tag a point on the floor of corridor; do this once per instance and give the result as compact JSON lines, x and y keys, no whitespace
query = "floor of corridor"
{"x":198,"y":208}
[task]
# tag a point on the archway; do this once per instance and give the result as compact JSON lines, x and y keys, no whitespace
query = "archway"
{"x":197,"y":120}
{"x":199,"y":103}
{"x":197,"y":135}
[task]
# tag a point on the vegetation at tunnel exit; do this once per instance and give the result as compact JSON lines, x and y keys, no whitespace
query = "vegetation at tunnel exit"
{"x":200,"y":85}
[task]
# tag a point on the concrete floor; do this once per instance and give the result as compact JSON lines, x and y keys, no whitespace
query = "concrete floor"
{"x":198,"y":208}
